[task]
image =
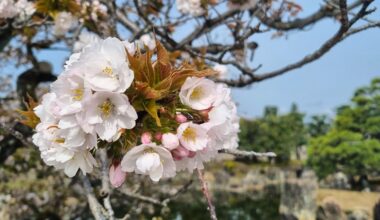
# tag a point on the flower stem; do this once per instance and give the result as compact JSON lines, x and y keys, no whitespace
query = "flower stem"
{"x":206,"y":193}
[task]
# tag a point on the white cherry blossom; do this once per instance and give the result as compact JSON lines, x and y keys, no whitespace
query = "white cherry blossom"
{"x":196,"y":161}
{"x":110,"y":113}
{"x":149,"y":159}
{"x":8,"y":9}
{"x":148,"y":41}
{"x":25,"y":9}
{"x":105,"y":66}
{"x":63,"y":22}
{"x":223,"y":124}
{"x":192,"y":136}
{"x":65,"y":148}
{"x":222,"y":71}
{"x":48,"y":110}
{"x":130,"y":46}
{"x":198,"y":93}
{"x":85,"y":39}
{"x":192,"y":7}
{"x":72,"y":60}
{"x":71,"y":92}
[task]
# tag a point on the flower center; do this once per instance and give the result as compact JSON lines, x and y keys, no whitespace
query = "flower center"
{"x":59,"y":140}
{"x":108,"y":71}
{"x":149,"y":151}
{"x":197,"y":93}
{"x":189,"y":134}
{"x":77,"y":94}
{"x":106,"y":108}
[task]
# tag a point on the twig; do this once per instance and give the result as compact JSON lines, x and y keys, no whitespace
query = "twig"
{"x":141,"y":197}
{"x":327,"y":46}
{"x":96,"y":208}
{"x":18,"y":135}
{"x":163,"y":203}
{"x":242,"y":153}
{"x":105,"y":191}
{"x":184,"y":188}
{"x":206,"y":193}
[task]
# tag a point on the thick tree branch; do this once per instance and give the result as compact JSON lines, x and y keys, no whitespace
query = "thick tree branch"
{"x":96,"y":208}
{"x":324,"y":12}
{"x":249,"y":154}
{"x":330,"y":43}
{"x":105,"y":191}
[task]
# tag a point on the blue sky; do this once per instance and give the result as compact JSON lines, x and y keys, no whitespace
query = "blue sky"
{"x":317,"y":88}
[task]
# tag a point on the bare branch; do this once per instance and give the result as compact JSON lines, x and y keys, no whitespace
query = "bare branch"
{"x":96,"y":208}
{"x":106,"y":190}
{"x":163,"y":203}
{"x":126,"y":22}
{"x":18,"y":135}
{"x":206,"y":27}
{"x":324,"y":12}
{"x":343,"y":13}
{"x":141,"y":197}
{"x":339,"y":36}
{"x":242,"y":153}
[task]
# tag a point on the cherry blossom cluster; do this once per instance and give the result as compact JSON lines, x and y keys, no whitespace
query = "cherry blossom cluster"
{"x":20,"y":9}
{"x":86,"y":102}
{"x":192,"y":7}
{"x":89,"y":11}
{"x":152,"y":118}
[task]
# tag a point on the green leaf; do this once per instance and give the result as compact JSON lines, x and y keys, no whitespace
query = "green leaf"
{"x":151,"y":108}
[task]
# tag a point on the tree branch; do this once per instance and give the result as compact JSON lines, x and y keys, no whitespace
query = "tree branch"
{"x":250,"y":154}
{"x":339,"y":36}
{"x":206,"y":193}
{"x":96,"y":208}
{"x":324,"y":12}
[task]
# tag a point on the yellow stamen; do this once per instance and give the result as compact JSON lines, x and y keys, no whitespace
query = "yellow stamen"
{"x":149,"y":151}
{"x":106,"y":108}
{"x":197,"y":93}
{"x":59,"y":140}
{"x":78,"y":94}
{"x":52,"y":126}
{"x":189,"y":134}
{"x":108,"y":71}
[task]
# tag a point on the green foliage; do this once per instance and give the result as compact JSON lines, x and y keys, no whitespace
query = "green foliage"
{"x":319,"y":125}
{"x":345,"y":151}
{"x":353,"y":145}
{"x":278,"y":133}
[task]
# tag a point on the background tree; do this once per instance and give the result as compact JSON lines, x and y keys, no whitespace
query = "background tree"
{"x":319,"y":125}
{"x":281,"y":134}
{"x":353,"y":143}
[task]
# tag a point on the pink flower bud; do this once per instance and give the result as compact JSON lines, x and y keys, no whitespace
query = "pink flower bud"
{"x":170,"y":141}
{"x":179,"y":153}
{"x":158,"y":136}
{"x":180,"y":118}
{"x":117,"y":177}
{"x":146,"y":138}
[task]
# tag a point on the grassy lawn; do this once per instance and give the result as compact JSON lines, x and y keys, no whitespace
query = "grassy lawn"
{"x":350,"y":200}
